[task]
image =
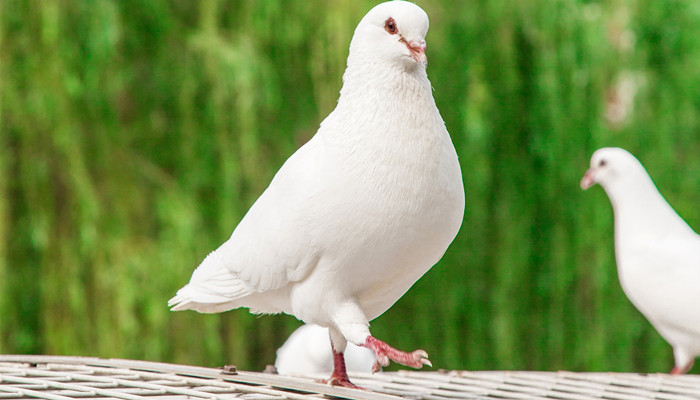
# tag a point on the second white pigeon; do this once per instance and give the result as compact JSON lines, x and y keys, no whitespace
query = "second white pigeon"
{"x":658,"y":254}
{"x":301,"y":355}
{"x":359,"y":213}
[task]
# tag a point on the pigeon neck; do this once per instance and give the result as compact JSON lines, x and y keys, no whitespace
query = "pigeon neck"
{"x":641,"y":206}
{"x":392,"y":81}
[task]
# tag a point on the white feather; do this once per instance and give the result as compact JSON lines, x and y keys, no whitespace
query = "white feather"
{"x":301,"y":354}
{"x":357,"y":214}
{"x":658,"y":254}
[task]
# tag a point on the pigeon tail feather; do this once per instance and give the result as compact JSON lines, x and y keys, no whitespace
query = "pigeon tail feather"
{"x":213,"y":288}
{"x":190,"y":298}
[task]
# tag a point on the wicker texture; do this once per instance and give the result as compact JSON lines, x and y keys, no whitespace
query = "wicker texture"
{"x":67,"y":378}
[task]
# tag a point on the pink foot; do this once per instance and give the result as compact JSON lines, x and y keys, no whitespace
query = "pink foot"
{"x":677,"y":371}
{"x":342,"y":382}
{"x":681,"y":370}
{"x":339,"y":377}
{"x":384,"y":352}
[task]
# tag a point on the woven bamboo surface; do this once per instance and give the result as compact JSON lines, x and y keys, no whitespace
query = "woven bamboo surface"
{"x":68,"y":378}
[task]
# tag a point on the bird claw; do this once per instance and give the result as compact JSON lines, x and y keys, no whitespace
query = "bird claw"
{"x":376,"y":367}
{"x":384,"y":353}
{"x":419,"y":358}
{"x":336,"y":381}
{"x":382,"y":361}
{"x":423,"y":358}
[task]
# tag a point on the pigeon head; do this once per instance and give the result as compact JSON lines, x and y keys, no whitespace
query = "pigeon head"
{"x":393,"y":31}
{"x":614,"y":169}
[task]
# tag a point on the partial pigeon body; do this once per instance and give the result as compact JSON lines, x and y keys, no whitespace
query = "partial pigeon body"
{"x":658,"y":254}
{"x":301,"y":354}
{"x":357,"y":214}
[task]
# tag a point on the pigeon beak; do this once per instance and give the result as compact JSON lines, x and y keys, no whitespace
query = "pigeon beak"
{"x":588,"y":179}
{"x":417,"y":49}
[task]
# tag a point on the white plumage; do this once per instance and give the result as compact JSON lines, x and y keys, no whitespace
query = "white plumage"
{"x":357,"y":214}
{"x":301,"y":354}
{"x":658,"y":254}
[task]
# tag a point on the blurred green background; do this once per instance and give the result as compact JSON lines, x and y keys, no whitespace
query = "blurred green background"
{"x":134,"y":135}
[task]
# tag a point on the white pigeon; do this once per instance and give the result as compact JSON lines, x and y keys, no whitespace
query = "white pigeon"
{"x":658,"y":254}
{"x":360,"y":212}
{"x":301,"y":354}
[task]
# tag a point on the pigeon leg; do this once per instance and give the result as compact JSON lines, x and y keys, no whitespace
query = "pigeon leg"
{"x":682,"y":370}
{"x":339,"y":377}
{"x":683,"y":361}
{"x":355,"y":328}
{"x":384,"y":352}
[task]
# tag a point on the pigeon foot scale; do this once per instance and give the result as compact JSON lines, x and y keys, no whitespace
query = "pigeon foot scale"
{"x":339,"y":377}
{"x":384,"y":352}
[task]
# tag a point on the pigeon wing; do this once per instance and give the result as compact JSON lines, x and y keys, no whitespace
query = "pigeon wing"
{"x":270,"y":247}
{"x":669,"y":293}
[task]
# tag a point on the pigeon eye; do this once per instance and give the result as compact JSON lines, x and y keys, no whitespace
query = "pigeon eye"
{"x":601,"y":163}
{"x":390,"y":26}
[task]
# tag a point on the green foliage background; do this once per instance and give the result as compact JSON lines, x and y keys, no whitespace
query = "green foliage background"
{"x":134,"y":135}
